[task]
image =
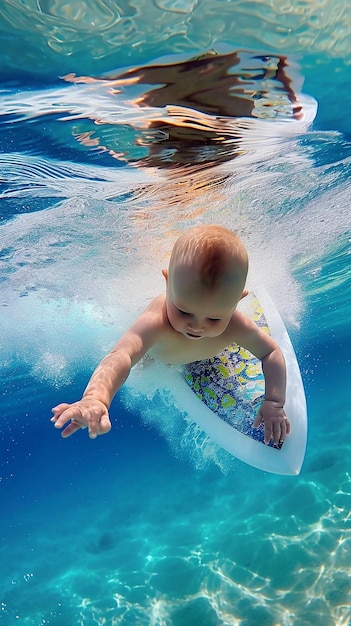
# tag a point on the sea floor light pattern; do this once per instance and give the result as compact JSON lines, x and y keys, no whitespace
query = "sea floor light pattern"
{"x":136,"y":533}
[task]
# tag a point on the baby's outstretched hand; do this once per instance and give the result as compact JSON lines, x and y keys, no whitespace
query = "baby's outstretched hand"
{"x":87,"y":413}
{"x":276,"y":423}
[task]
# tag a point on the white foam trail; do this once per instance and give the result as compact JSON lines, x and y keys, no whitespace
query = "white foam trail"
{"x":26,"y":175}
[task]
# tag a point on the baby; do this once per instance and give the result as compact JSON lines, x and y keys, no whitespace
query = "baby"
{"x":194,"y":320}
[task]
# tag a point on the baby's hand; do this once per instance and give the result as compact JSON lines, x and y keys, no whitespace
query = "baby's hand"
{"x":87,"y":413}
{"x":276,"y":423}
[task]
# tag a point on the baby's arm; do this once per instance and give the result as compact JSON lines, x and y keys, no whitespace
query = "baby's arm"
{"x":271,"y":412}
{"x":92,"y":410}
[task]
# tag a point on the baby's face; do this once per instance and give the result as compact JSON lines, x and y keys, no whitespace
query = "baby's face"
{"x":196,"y":311}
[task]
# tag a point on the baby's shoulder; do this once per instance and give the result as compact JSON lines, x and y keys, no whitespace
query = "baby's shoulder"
{"x":158,"y":301}
{"x":157,"y":305}
{"x":239,"y":326}
{"x":156,"y":313}
{"x":239,"y":319}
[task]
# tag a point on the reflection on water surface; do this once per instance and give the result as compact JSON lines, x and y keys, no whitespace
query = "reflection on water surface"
{"x":201,"y":104}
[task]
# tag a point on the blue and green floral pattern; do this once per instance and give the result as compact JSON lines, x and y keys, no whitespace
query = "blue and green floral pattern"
{"x":231,"y":384}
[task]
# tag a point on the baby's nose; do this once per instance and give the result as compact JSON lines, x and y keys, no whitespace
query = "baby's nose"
{"x":196,"y":325}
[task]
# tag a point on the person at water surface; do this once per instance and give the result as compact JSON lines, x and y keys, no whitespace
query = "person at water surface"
{"x":194,"y":319}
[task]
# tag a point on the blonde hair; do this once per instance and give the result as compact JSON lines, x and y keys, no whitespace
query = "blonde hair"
{"x":215,"y":252}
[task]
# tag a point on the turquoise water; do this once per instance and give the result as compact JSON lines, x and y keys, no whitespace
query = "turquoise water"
{"x":152,"y":525}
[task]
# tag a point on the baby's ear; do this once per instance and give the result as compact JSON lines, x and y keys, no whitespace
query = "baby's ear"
{"x":244,"y":294}
{"x":165,"y":274}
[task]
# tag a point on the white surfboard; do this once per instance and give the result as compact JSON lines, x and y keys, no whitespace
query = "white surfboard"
{"x":222,"y":395}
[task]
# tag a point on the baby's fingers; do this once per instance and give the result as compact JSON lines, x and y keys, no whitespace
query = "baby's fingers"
{"x":83,"y":414}
{"x":105,"y":425}
{"x":280,"y":430}
{"x":57,"y":410}
{"x":65,"y":412}
{"x":93,"y":428}
{"x":258,"y":421}
{"x":98,"y":425}
{"x":71,"y":429}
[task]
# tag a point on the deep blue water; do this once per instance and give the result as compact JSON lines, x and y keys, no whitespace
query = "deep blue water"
{"x":152,"y":525}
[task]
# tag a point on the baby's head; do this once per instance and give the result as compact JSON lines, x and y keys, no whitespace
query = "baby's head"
{"x":206,"y":280}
